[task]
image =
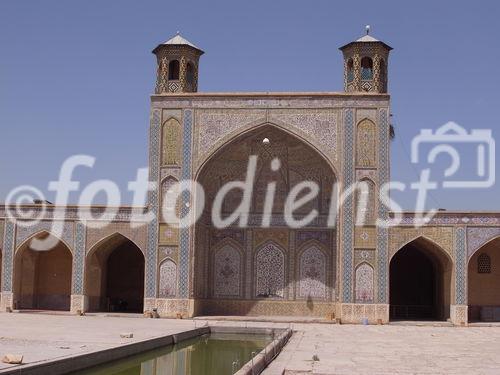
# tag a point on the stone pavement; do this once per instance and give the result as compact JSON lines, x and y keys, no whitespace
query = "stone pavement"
{"x":41,"y":337}
{"x":339,"y":349}
{"x":389,"y":350}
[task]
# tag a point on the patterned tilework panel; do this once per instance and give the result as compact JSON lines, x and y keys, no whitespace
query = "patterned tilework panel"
{"x":267,"y":307}
{"x":154,"y":170}
{"x":270,"y":272}
{"x":318,"y":125}
{"x":79,"y":259}
{"x":64,"y":230}
{"x":168,"y":279}
{"x":348,"y":226}
{"x":355,"y":313}
{"x":364,"y":284}
{"x":2,"y":224}
{"x":227,"y":272}
{"x":366,"y":153}
{"x":478,"y":236}
{"x":312,"y":273}
{"x":216,"y":126}
{"x":383,"y":238}
{"x":461,"y":267}
{"x":185,"y":198}
{"x":8,"y":256}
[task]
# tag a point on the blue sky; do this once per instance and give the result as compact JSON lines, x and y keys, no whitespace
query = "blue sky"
{"x":75,"y":76}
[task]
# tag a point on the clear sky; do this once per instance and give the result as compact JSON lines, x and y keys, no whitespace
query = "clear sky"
{"x":75,"y":76}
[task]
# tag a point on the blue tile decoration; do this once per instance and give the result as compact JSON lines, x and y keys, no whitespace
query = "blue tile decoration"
{"x":348,"y":224}
{"x":184,"y":240}
{"x":154,"y":175}
{"x":461,"y":265}
{"x":8,"y":256}
{"x":79,"y":258}
{"x":383,"y":214}
{"x":65,"y":228}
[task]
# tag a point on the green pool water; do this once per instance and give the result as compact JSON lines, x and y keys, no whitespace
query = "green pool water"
{"x":204,"y":355}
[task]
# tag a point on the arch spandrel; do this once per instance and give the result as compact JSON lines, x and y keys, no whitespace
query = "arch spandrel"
{"x":96,"y":236}
{"x":214,"y":128}
{"x":43,"y":234}
{"x":477,"y":237}
{"x":23,"y":232}
{"x":440,"y":236}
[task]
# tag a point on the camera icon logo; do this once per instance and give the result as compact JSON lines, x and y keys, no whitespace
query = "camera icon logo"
{"x":446,"y":139}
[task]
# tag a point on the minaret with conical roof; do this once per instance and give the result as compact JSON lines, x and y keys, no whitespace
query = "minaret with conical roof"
{"x":365,"y":64}
{"x":178,"y":61}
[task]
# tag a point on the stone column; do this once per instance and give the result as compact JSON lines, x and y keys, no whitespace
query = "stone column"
{"x":182,"y":73}
{"x":458,"y":311}
{"x":356,"y":65}
{"x":376,"y":73}
{"x":79,"y":301}
{"x":7,"y":300}
{"x":162,"y":75}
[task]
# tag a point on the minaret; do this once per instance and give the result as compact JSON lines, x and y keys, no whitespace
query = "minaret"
{"x":365,"y":64}
{"x":177,"y":66}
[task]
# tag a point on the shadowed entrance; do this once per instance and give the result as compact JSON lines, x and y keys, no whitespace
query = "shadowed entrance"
{"x":115,"y":276}
{"x":484,"y":283}
{"x":42,"y":279}
{"x":420,"y":279}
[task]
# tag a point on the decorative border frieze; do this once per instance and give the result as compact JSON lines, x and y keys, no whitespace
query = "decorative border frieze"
{"x":291,"y":101}
{"x":8,"y":256}
{"x":36,"y":212}
{"x":153,"y":202}
{"x":460,"y":266}
{"x":79,"y":259}
{"x":383,"y":214}
{"x":185,"y":238}
{"x":348,"y":218}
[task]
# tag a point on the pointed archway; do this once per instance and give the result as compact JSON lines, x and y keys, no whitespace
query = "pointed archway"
{"x":244,"y":270}
{"x":114,"y":276}
{"x":484,"y":283}
{"x":420,"y":282}
{"x":42,"y":278}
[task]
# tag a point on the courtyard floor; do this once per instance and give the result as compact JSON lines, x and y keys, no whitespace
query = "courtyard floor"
{"x":338,"y":349}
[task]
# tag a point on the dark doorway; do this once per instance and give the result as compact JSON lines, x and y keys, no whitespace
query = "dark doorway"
{"x":125,"y":282}
{"x":419,"y":283}
{"x":114,"y":280}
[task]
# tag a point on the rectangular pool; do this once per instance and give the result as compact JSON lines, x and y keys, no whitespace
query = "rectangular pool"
{"x":210,"y":354}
